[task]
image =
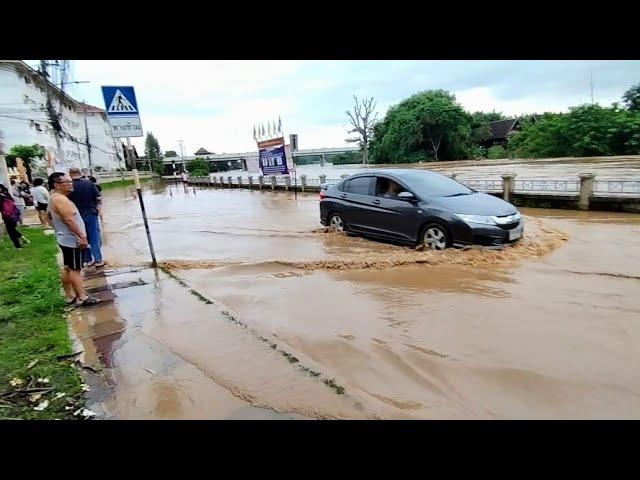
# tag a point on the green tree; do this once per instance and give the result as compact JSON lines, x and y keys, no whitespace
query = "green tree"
{"x":586,"y":130}
{"x":152,"y":147}
{"x":170,"y":153}
{"x":632,"y":98}
{"x":198,"y":167}
{"x":496,"y":152}
{"x":29,"y":155}
{"x":429,"y":125}
{"x":153,"y":153}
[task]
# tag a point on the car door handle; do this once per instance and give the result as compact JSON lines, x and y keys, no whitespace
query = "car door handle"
{"x":343,"y":195}
{"x":376,"y":202}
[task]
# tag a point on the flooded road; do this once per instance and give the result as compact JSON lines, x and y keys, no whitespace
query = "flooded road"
{"x":546,"y":329}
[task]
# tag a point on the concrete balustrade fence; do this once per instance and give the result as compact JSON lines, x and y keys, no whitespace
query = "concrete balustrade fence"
{"x":583,"y":193}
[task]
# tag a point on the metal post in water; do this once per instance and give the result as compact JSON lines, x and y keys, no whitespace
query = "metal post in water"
{"x":136,"y":181}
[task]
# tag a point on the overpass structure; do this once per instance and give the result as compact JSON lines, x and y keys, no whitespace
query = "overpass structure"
{"x":241,"y":161}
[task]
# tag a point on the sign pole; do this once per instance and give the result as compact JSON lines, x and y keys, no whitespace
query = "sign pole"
{"x":136,"y":181}
{"x":124,"y":117}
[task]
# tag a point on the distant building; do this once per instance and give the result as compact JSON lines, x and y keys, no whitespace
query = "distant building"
{"x":203,"y":151}
{"x":501,"y":130}
{"x":24,"y":120}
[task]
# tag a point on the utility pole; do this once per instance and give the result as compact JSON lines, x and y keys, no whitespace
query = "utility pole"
{"x":86,"y":132}
{"x":181,"y":143}
{"x":53,"y":117}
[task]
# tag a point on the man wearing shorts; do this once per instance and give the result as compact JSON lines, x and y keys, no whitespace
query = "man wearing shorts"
{"x":41,"y":198}
{"x":71,"y":236}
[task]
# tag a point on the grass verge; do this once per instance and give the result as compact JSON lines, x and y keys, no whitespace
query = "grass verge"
{"x":123,"y":183}
{"x":33,"y":333}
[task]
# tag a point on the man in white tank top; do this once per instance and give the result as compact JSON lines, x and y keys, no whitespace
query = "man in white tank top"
{"x":71,"y":236}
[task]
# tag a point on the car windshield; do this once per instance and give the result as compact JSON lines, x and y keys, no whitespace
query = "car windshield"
{"x":434,"y":185}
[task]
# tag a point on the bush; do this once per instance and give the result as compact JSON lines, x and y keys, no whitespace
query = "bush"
{"x":477,"y":153}
{"x":199,"y":173}
{"x":198,"y":165}
{"x":496,"y":152}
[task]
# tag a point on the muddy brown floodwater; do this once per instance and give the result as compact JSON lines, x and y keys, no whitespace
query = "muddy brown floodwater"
{"x":545,"y":329}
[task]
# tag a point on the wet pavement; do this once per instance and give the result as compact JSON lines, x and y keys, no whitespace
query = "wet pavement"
{"x":162,"y":353}
{"x":546,"y":329}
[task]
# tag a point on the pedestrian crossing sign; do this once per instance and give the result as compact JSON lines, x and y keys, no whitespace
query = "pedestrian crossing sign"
{"x":122,"y":111}
{"x":120,"y":101}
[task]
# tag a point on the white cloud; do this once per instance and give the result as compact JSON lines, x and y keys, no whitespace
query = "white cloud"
{"x":214,"y":104}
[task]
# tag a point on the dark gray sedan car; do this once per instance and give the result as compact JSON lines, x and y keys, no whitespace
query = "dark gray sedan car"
{"x":418,"y":207}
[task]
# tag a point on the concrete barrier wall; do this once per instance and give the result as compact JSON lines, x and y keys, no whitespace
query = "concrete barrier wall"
{"x":579,"y":194}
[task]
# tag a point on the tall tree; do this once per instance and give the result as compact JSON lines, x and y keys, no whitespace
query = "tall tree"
{"x":152,"y":147}
{"x":362,"y":120}
{"x":427,"y":125}
{"x":632,"y":98}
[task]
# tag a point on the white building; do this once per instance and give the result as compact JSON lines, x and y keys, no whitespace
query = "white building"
{"x":24,"y":121}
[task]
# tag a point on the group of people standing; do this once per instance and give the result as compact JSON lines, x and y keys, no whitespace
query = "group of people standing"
{"x":73,"y":207}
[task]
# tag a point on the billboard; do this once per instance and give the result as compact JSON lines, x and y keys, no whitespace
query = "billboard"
{"x":272,"y":157}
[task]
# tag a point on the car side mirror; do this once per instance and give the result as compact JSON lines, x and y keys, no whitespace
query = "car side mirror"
{"x":406,"y":196}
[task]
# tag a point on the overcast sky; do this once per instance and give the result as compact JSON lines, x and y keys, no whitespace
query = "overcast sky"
{"x":214,"y":104}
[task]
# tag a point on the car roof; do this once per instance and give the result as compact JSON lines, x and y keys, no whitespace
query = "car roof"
{"x":400,"y":172}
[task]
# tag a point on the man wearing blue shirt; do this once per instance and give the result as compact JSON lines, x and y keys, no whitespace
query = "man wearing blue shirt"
{"x":86,"y":197}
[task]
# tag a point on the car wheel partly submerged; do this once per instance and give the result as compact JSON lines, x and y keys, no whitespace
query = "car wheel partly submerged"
{"x":336,"y":224}
{"x":435,"y":237}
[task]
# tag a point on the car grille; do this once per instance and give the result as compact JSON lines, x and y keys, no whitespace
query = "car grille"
{"x":510,"y":226}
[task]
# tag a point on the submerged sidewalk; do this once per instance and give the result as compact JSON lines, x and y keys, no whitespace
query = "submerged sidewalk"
{"x":153,"y":349}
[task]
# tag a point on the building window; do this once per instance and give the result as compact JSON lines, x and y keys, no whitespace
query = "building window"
{"x":27,"y":80}
{"x":38,"y":128}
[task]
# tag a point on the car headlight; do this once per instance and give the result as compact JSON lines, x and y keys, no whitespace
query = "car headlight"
{"x":486,"y":220}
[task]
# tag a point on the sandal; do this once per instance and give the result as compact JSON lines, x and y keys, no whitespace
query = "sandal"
{"x":71,"y":302}
{"x":88,"y":301}
{"x":100,"y":265}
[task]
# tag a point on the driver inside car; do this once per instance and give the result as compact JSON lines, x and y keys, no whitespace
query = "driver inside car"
{"x":393,"y":189}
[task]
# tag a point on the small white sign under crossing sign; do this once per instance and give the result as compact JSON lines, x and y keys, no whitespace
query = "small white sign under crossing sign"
{"x":122,"y":110}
